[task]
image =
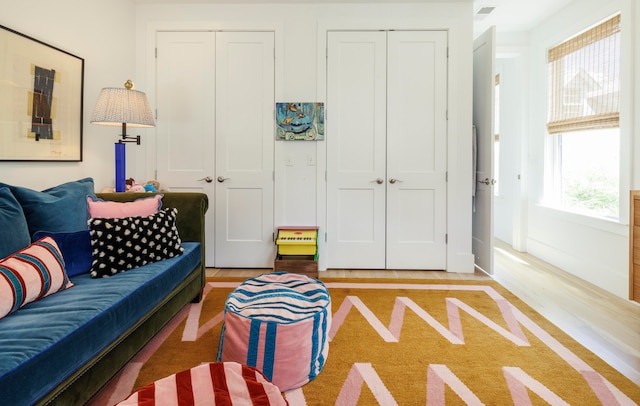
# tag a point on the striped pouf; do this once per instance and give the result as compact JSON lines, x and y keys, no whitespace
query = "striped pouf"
{"x":218,"y":383}
{"x":278,"y":322}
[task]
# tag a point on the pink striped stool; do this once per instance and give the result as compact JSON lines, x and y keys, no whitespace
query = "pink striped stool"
{"x":279,"y":323}
{"x":218,"y":383}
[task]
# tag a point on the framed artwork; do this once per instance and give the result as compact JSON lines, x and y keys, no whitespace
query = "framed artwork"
{"x":300,"y":121}
{"x":41,"y":93}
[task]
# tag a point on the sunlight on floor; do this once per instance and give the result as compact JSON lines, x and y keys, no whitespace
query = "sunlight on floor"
{"x":510,"y":256}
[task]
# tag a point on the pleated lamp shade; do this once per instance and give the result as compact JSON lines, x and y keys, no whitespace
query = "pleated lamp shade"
{"x":116,"y":106}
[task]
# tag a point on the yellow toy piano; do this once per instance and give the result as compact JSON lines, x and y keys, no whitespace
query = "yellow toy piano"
{"x":297,"y":240}
{"x":297,"y":250}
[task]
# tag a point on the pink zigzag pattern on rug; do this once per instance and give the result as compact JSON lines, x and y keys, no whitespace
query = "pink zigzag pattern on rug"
{"x":361,"y":373}
{"x":518,"y":381}
{"x":606,"y":392}
{"x":191,"y":330}
{"x":358,"y":375}
{"x":437,"y":377}
{"x":602,"y":388}
{"x":454,"y":333}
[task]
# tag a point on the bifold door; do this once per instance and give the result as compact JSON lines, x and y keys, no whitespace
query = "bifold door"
{"x":386,"y":149}
{"x":215,"y":97}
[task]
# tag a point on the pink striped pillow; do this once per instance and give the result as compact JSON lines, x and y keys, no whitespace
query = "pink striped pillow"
{"x":30,"y":274}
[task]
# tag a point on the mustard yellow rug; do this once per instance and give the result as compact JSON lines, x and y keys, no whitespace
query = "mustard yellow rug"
{"x":408,"y":342}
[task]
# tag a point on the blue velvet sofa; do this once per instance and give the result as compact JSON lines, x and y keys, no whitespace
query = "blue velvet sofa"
{"x":63,"y":348}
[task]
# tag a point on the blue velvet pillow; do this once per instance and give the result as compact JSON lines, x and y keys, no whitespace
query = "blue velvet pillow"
{"x":75,"y":248}
{"x":14,"y":233}
{"x":62,"y":208}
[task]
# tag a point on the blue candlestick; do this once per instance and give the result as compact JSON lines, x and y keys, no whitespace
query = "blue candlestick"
{"x":120,"y":167}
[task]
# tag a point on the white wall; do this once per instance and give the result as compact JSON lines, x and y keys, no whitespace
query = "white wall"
{"x":300,"y":32}
{"x":593,"y":249}
{"x":116,"y":39}
{"x":102,"y":33}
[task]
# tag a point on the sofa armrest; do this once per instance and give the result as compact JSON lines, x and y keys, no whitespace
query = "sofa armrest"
{"x":191,"y":210}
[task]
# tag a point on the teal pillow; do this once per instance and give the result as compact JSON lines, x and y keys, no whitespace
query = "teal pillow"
{"x":14,"y":233}
{"x":62,"y":208}
{"x":75,"y":248}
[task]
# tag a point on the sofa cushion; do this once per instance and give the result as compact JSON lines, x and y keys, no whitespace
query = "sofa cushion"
{"x":138,"y":208}
{"x":75,"y":248}
{"x":119,"y":245}
{"x":62,"y":208}
{"x":30,"y":274}
{"x":15,"y":232}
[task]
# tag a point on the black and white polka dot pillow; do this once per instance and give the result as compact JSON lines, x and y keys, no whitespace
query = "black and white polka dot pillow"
{"x":121,"y":244}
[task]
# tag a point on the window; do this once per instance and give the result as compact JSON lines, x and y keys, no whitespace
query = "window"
{"x":589,"y":178}
{"x":584,"y":88}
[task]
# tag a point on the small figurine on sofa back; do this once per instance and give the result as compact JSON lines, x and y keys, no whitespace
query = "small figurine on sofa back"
{"x":152,"y":186}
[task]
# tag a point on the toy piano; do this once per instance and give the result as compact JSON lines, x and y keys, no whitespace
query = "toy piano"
{"x":297,"y":240}
{"x":297,"y":250}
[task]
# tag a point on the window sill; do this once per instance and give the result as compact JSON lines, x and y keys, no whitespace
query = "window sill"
{"x":599,"y":223}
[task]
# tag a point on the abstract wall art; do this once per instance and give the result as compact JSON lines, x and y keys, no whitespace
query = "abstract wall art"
{"x":41,"y":93}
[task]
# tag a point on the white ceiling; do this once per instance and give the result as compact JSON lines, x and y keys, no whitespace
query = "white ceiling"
{"x":515,"y":15}
{"x":508,"y":16}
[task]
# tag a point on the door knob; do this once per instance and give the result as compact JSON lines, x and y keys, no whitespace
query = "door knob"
{"x":222,"y":179}
{"x":393,"y":180}
{"x":379,"y":181}
{"x":487,"y":182}
{"x":207,"y":179}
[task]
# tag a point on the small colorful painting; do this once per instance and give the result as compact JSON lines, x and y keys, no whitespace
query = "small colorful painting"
{"x":300,"y":121}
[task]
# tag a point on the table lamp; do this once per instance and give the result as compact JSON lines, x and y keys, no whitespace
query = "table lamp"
{"x":118,"y":106}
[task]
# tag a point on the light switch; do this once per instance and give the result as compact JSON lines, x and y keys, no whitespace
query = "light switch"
{"x":311,"y":160}
{"x":289,"y":160}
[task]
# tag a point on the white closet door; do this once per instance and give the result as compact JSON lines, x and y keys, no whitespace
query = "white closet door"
{"x":186,"y":124}
{"x":386,"y":150}
{"x":244,"y":149}
{"x":356,"y":125}
{"x":416,"y":150}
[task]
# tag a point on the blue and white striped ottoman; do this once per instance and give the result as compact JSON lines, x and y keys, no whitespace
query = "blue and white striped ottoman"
{"x":278,"y":323}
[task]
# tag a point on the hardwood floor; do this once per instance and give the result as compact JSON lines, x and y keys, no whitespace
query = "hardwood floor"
{"x":605,"y":324}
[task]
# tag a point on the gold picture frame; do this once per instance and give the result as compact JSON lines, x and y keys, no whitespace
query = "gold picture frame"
{"x":41,"y":98}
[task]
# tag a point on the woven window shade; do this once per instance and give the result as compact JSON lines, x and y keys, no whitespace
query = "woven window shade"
{"x":584,"y":80}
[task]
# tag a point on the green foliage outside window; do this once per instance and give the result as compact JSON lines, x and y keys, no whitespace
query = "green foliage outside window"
{"x":595,"y":192}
